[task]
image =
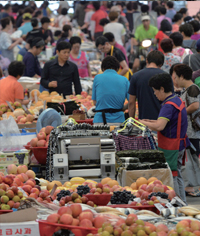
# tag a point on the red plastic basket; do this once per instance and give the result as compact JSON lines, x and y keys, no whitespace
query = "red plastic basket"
{"x":5,"y":211}
{"x":40,"y":154}
{"x":100,"y":200}
{"x":87,"y":121}
{"x":48,"y":229}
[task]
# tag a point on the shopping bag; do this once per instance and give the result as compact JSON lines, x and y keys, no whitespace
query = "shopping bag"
{"x":191,"y":170}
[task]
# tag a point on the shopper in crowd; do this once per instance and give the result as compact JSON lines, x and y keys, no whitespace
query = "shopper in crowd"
{"x":6,"y":11}
{"x":170,"y":10}
{"x":183,"y":11}
{"x":164,"y":32}
{"x":177,"y":89}
{"x":187,"y":31}
{"x":38,"y":15}
{"x":23,"y":51}
{"x":59,"y":74}
{"x":63,"y":4}
{"x":191,"y":97}
{"x":121,"y":19}
{"x":103,"y":22}
{"x":62,"y":19}
{"x":6,"y":43}
{"x":170,"y":58}
{"x":19,"y":20}
{"x":196,"y":26}
{"x":35,"y":32}
{"x":116,"y":28}
{"x":10,"y":83}
{"x":193,"y":60}
{"x":145,"y":30}
{"x":45,"y":9}
{"x":105,"y":47}
{"x":177,"y":21}
{"x":57,"y":35}
{"x":171,"y":126}
{"x":111,"y":38}
{"x":178,"y":50}
{"x":46,"y":32}
{"x":132,"y":8}
{"x":79,"y":13}
{"x":79,"y":57}
{"x":32,"y":65}
{"x":26,"y":27}
{"x":89,"y":12}
{"x":96,"y":28}
{"x":162,"y":16}
{"x":109,"y":103}
{"x":148,"y":105}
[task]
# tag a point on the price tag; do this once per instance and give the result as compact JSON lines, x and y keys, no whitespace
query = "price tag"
{"x":169,"y":205}
{"x":159,"y":207}
{"x":26,"y":110}
{"x":179,"y":200}
{"x":29,"y":104}
{"x":138,"y":200}
{"x":10,"y":106}
{"x":35,"y":94}
{"x":173,"y":201}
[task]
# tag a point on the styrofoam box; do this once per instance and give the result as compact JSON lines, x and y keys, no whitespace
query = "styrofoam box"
{"x":9,"y":158}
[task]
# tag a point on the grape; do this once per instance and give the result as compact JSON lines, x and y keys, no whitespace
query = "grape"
{"x":20,"y":157}
{"x":63,"y":232}
{"x":83,"y":190}
{"x":63,"y":193}
{"x":122,"y":197}
{"x":158,"y":194}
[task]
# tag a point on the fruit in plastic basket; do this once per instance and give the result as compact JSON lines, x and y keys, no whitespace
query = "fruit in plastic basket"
{"x":12,"y":169}
{"x":24,"y":176}
{"x":53,"y":218}
{"x":30,"y":174}
{"x":86,"y":215}
{"x":48,"y":129}
{"x":90,"y":203}
{"x":41,"y":143}
{"x":41,"y":136}
{"x":171,"y":194}
{"x":99,"y":221}
{"x":140,"y":181}
{"x":143,"y":187}
{"x":16,"y":205}
{"x":131,"y":219}
{"x":75,"y":222}
{"x":34,"y":142}
{"x":150,"y":188}
{"x":65,"y":210}
{"x":66,"y":219}
{"x":84,"y":199}
{"x":86,"y":223}
{"x":29,"y":182}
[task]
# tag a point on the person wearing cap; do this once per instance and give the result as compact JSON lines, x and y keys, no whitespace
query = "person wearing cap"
{"x":194,"y":60}
{"x":26,"y":27}
{"x":145,"y":30}
{"x":121,"y":19}
{"x":32,"y":65}
{"x":88,"y":15}
{"x":46,"y":33}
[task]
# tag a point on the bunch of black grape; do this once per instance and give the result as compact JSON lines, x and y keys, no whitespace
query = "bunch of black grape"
{"x":122,"y":197}
{"x":83,"y":190}
{"x":63,"y":232}
{"x":20,"y":157}
{"x":63,"y":193}
{"x":159,"y":194}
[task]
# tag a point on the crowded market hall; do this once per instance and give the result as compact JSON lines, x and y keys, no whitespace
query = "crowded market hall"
{"x":100,"y":118}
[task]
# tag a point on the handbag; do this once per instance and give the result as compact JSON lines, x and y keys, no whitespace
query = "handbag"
{"x":194,"y":120}
{"x":65,"y":108}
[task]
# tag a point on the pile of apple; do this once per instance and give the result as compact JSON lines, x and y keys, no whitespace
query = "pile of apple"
{"x":99,"y":189}
{"x":132,"y":226}
{"x":42,"y":139}
{"x":74,"y":215}
{"x":25,"y":119}
{"x":186,"y":227}
{"x":75,"y":198}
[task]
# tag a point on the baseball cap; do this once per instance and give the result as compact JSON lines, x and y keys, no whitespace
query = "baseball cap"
{"x":198,"y":44}
{"x":145,"y":17}
{"x":27,"y":16}
{"x":90,"y":6}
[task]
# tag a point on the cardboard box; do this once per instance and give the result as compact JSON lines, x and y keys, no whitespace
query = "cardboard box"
{"x":78,"y":117}
{"x":10,"y":158}
{"x":19,"y":223}
{"x":28,"y":127}
{"x":126,"y":177}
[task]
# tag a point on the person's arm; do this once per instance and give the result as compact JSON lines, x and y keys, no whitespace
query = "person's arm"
{"x":45,"y":77}
{"x":77,"y":83}
{"x":124,"y":66}
{"x":92,"y":25}
{"x":186,"y":60}
{"x":192,"y":107}
{"x":23,"y":102}
{"x":89,"y":70}
{"x":85,"y":26}
{"x":134,"y":42}
{"x":94,"y":102}
{"x":18,"y":41}
{"x":157,"y":125}
{"x":132,"y":105}
{"x":30,"y":66}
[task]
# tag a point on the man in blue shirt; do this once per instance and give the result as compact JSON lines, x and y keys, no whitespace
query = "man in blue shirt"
{"x":109,"y":93}
{"x":26,"y":27}
{"x":170,"y":12}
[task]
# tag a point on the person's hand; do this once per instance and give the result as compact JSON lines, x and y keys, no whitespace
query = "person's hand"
{"x":53,"y":84}
{"x":19,"y":40}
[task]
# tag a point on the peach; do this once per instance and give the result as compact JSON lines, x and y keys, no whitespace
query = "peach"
{"x":39,"y":199}
{"x":30,"y":174}
{"x":16,"y":205}
{"x":48,"y":136}
{"x":18,"y":181}
{"x":11,"y":203}
{"x":75,"y":222}
{"x":117,"y":231}
{"x":41,"y":136}
{"x":29,"y":118}
{"x":65,"y":210}
{"x":4,"y":199}
{"x":12,"y":169}
{"x":25,"y":177}
{"x":14,"y":189}
{"x":34,"y":142}
{"x":27,"y":188}
{"x":23,"y":120}
{"x":157,"y":182}
{"x":33,"y":195}
{"x":29,"y":182}
{"x":195,"y":225}
{"x":42,"y":130}
{"x":41,"y":143}
{"x":43,"y":195}
{"x":86,"y":223}
{"x":144,"y":186}
{"x":66,"y":219}
{"x":19,"y":118}
{"x":8,"y":179}
{"x":35,"y":190}
{"x":20,"y":194}
{"x":48,"y":129}
{"x":84,"y":199}
{"x":10,"y":194}
{"x":158,"y":188}
{"x":171,"y":194}
{"x":162,"y":228}
{"x":22,"y":169}
{"x":76,"y":210}
{"x":53,"y":218}
{"x":150,"y":187}
{"x":86,"y":215}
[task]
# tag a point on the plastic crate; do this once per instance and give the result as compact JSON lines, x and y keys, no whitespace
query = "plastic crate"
{"x":145,"y":207}
{"x":87,"y":121}
{"x":48,"y":229}
{"x":40,"y":154}
{"x":5,"y":211}
{"x":100,"y":200}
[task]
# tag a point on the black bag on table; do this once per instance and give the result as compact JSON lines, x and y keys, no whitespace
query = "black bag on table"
{"x":65,"y":108}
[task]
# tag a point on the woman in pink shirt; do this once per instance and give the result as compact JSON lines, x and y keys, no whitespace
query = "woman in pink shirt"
{"x":177,"y":20}
{"x":79,"y":57}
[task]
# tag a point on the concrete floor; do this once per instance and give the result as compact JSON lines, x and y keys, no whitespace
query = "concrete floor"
{"x":194,"y":201}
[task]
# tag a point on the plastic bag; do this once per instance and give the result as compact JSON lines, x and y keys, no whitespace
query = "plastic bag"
{"x":10,"y":138}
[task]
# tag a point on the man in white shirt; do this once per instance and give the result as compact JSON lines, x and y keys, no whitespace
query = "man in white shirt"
{"x":116,"y":28}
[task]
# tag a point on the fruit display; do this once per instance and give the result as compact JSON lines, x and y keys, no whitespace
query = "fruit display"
{"x":122,"y":197}
{"x":84,"y":99}
{"x":42,"y":139}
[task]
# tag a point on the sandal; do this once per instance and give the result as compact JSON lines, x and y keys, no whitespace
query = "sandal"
{"x":196,"y":193}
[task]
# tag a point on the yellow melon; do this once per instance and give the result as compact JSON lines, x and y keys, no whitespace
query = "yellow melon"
{"x":152,"y":179}
{"x":134,"y":186}
{"x":140,"y":181}
{"x":105,"y":180}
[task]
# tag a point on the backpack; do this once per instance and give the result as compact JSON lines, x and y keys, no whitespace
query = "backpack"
{"x":192,"y":47}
